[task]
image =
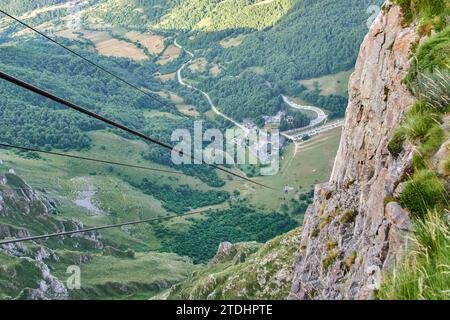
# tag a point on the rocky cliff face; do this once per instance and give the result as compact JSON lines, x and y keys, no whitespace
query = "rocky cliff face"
{"x":351,"y":233}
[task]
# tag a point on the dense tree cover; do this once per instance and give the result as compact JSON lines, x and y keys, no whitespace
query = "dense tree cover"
{"x":335,"y":104}
{"x":61,"y":73}
{"x":237,"y":224}
{"x":28,"y":119}
{"x":29,"y":125}
{"x":135,"y":14}
{"x":210,"y":39}
{"x":245,"y":96}
{"x":213,"y":15}
{"x":299,"y":120}
{"x":298,"y":207}
{"x":314,"y":38}
{"x":251,"y":95}
{"x":181,"y":199}
{"x":210,"y":15}
{"x":18,"y":7}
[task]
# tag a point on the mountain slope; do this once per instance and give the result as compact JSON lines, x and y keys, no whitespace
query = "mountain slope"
{"x":244,"y":271}
{"x":213,"y":15}
{"x":314,"y":38}
{"x":38,"y":269}
{"x":20,"y":7}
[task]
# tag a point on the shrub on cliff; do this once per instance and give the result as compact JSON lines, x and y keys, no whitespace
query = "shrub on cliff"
{"x":425,"y":191}
{"x":424,"y":273}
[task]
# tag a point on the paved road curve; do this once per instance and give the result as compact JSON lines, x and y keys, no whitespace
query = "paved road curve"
{"x":208,"y":98}
{"x":295,"y":135}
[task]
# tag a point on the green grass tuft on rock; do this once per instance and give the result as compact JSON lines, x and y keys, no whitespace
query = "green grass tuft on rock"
{"x":425,"y":191}
{"x":423,"y":275}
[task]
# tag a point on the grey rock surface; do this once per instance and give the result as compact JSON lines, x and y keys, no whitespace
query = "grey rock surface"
{"x":349,"y":235}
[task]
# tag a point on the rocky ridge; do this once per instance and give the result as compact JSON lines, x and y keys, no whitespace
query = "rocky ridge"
{"x":244,"y":271}
{"x":23,"y":208}
{"x":352,"y":231}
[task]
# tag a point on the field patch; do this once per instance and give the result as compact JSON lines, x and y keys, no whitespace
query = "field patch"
{"x":108,"y":46}
{"x":215,"y":70}
{"x":198,"y":65}
{"x":166,"y":77}
{"x":232,"y":42}
{"x":336,"y":84}
{"x":154,"y":43}
{"x":188,"y":110}
{"x":69,"y":34}
{"x":170,"y":54}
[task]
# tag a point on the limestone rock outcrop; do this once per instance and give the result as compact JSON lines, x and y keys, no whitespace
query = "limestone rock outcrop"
{"x":353,"y":231}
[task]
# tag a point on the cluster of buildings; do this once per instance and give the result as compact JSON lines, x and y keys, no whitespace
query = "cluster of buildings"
{"x":249,"y":124}
{"x":263,"y":150}
{"x":270,"y":122}
{"x":274,"y":120}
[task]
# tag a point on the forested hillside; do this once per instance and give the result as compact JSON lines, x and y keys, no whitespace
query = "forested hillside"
{"x":280,"y":42}
{"x":136,"y":14}
{"x":30,"y":120}
{"x":188,"y":15}
{"x":61,"y":73}
{"x":314,"y":38}
{"x":239,"y":223}
{"x":22,"y":6}
{"x":209,"y":15}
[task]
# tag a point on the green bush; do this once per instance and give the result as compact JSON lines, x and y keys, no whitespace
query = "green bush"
{"x":315,"y":232}
{"x":431,"y":55}
{"x":330,"y":259}
{"x":424,"y":10}
{"x":425,"y":191}
{"x":424,"y":273}
{"x":395,"y":146}
{"x":325,"y":220}
{"x":349,"y":216}
{"x":417,"y":125}
{"x":433,"y":88}
{"x":433,"y":141}
{"x":330,"y":245}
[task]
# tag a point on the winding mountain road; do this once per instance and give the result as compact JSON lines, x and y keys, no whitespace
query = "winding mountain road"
{"x":321,"y":116}
{"x":206,"y":95}
{"x":295,"y":135}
